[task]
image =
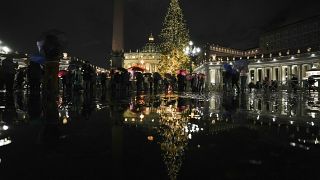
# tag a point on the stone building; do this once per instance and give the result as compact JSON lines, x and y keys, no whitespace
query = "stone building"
{"x":147,"y":58}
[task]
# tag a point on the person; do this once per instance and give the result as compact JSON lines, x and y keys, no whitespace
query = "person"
{"x":251,"y":86}
{"x":1,"y":78}
{"x":150,"y":79}
{"x":258,"y":85}
{"x":235,"y":80}
{"x":87,"y":77}
{"x":274,"y":85}
{"x":20,"y":80}
{"x":243,"y":80}
{"x":103,"y":79}
{"x":294,"y":83}
{"x":9,"y":73}
{"x":311,"y":82}
{"x":265,"y":84}
{"x":201,"y":84}
{"x":139,"y":81}
{"x":180,"y":78}
{"x":166,"y":84}
{"x":34,"y":77}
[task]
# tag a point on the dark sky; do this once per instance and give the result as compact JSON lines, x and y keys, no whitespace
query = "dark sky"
{"x":88,"y":24}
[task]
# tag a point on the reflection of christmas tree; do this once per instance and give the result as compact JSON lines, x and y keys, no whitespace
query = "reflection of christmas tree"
{"x":174,"y":138}
{"x":174,"y":37}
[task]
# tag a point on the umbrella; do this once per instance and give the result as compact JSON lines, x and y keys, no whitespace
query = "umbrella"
{"x":227,"y":67}
{"x":156,"y":75}
{"x":183,"y":72}
{"x":121,"y":69}
{"x":38,"y":59}
{"x":62,"y":73}
{"x":241,"y":64}
{"x":137,"y":68}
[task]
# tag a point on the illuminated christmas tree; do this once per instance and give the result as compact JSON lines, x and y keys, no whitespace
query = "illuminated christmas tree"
{"x":174,"y":38}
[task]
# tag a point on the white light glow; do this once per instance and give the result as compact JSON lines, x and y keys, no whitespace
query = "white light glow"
{"x":5,"y":127}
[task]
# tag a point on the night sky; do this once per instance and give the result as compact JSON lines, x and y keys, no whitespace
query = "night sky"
{"x":88,"y":24}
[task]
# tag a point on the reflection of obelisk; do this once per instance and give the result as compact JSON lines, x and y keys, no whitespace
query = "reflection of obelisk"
{"x":117,"y":37}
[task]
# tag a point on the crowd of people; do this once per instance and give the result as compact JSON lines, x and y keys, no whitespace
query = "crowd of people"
{"x":122,"y":81}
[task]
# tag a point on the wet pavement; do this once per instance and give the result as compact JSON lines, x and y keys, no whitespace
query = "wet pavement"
{"x":166,"y":136}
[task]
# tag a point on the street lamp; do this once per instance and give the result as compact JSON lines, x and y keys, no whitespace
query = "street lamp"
{"x":192,"y":51}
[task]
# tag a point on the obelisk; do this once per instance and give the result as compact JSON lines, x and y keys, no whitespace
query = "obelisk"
{"x":117,"y":36}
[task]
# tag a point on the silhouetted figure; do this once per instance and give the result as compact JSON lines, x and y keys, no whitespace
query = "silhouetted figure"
{"x":139,"y":82}
{"x":103,"y":81}
{"x":243,"y":80}
{"x":200,"y":85}
{"x":1,"y":77}
{"x":166,"y":84}
{"x":8,"y":74}
{"x":311,"y":82}
{"x":294,"y":83}
{"x":150,"y":79}
{"x":181,"y":82}
{"x":87,"y":77}
{"x":251,"y":86}
{"x":258,"y":85}
{"x":235,"y":80}
{"x":156,"y":79}
{"x":266,"y":84}
{"x":34,"y":77}
{"x":20,"y":80}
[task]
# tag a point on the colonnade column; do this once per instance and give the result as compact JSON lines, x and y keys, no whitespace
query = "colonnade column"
{"x":300,"y":73}
{"x":256,"y":78}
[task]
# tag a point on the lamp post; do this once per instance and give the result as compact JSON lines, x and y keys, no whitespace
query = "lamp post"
{"x":192,"y":51}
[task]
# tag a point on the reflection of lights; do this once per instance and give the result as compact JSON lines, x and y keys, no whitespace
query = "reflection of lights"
{"x":313,"y":115}
{"x":291,"y":122}
{"x":126,"y":119}
{"x":5,"y":127}
{"x":258,"y":117}
{"x":133,"y":119}
{"x":293,"y":144}
{"x":274,"y":119}
{"x":141,"y":116}
{"x":316,"y":141}
{"x":65,"y":120}
{"x":5,"y":141}
{"x":152,"y":120}
{"x":150,"y":138}
{"x":190,"y":136}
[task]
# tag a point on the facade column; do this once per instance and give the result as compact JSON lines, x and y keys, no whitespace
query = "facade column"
{"x":289,"y":72}
{"x":256,"y":75}
{"x":207,"y":73}
{"x":281,"y":77}
{"x":274,"y":76}
{"x":300,"y":74}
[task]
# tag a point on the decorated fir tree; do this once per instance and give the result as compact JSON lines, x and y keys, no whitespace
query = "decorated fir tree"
{"x":174,"y":38}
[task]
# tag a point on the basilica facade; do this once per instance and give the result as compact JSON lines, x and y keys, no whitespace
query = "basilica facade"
{"x":146,"y":58}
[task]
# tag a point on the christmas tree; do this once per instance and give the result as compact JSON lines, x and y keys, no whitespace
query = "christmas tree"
{"x":174,"y":38}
